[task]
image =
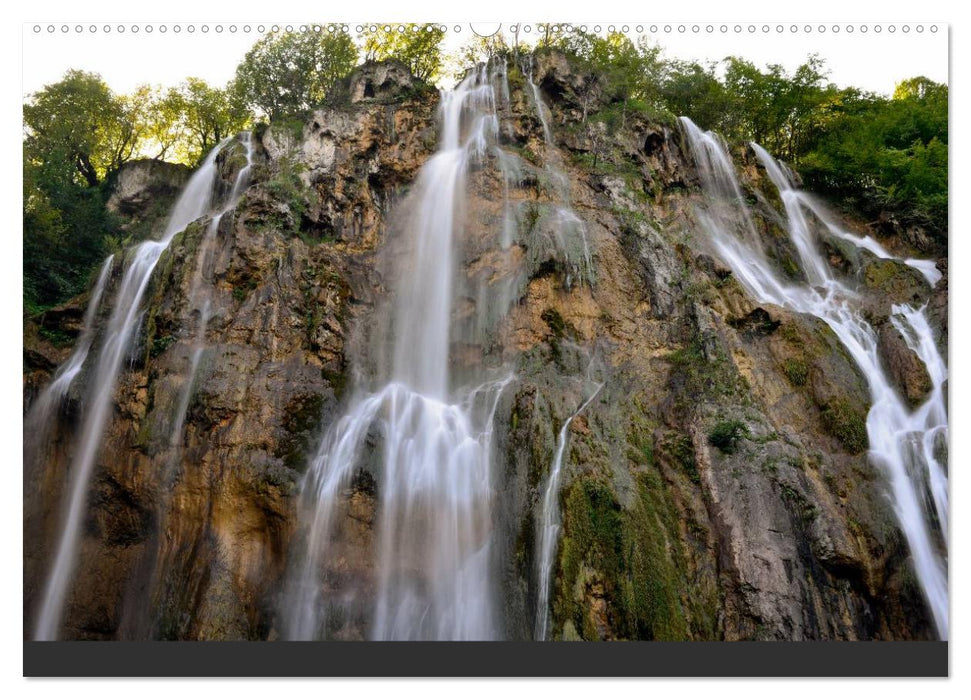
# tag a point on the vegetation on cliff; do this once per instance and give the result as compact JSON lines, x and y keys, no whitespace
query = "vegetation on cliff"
{"x":717,"y":488}
{"x":884,"y":156}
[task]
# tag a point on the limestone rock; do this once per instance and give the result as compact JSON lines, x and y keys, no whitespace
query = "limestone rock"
{"x":903,"y":365}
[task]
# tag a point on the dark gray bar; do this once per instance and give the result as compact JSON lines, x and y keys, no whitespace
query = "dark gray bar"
{"x":479,"y":659}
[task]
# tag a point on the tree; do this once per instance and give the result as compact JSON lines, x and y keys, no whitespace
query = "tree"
{"x":291,"y":72}
{"x":65,"y":226}
{"x":482,"y":49}
{"x":207,"y":116}
{"x":157,"y":117}
{"x":418,"y":46}
{"x":886,"y":156}
{"x":80,"y":124}
{"x":629,"y":72}
{"x":689,"y":89}
{"x":772,"y":107}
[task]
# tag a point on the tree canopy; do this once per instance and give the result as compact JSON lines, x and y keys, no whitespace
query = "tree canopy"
{"x":289,"y":73}
{"x":882,"y":155}
{"x":418,"y":46}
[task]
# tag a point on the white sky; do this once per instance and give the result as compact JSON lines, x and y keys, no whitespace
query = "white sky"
{"x":871,"y":60}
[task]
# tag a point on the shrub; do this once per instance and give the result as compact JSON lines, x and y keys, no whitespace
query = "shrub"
{"x":797,"y":371}
{"x":846,"y":424}
{"x":726,"y":434}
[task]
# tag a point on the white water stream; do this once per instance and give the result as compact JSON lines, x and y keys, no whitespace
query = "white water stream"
{"x":902,"y":441}
{"x":194,"y":202}
{"x":434,"y":476}
{"x":550,"y":523}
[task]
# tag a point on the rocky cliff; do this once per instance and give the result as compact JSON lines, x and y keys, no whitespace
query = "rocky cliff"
{"x":717,"y":488}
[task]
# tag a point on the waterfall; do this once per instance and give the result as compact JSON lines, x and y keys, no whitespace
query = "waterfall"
{"x":434,"y":528}
{"x":549,"y":529}
{"x":902,"y":441}
{"x":200,"y":296}
{"x":194,"y":201}
{"x":43,"y":413}
{"x":569,"y":230}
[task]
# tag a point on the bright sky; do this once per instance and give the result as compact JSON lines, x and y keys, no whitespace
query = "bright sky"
{"x":873,"y":60}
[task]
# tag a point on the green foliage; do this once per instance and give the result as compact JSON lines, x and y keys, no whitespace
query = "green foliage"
{"x":418,"y":46}
{"x":287,"y":187}
{"x":627,"y":72}
{"x":481,"y":49}
{"x":203,"y":116}
{"x":887,"y":156}
{"x":681,"y":451}
{"x":77,"y":135}
{"x":846,"y":424}
{"x":292,"y":72}
{"x":688,"y":88}
{"x":635,"y":554}
{"x":695,"y":375}
{"x":880,"y":155}
{"x":555,"y":322}
{"x":57,"y":337}
{"x":797,"y":371}
{"x":160,"y":345}
{"x":65,"y":229}
{"x":79,"y":127}
{"x":725,"y":435}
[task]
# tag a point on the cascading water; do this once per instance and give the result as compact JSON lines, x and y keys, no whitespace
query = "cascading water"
{"x":550,"y":524}
{"x":569,"y":230}
{"x":37,"y":424}
{"x":200,"y":297}
{"x":904,"y":443}
{"x":194,"y":202}
{"x":434,"y":479}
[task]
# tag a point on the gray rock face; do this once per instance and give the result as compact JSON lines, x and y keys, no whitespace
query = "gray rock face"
{"x":387,"y":80}
{"x":144,"y":187}
{"x":906,"y":369}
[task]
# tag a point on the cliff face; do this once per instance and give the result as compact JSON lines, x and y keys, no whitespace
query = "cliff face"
{"x":716,"y":488}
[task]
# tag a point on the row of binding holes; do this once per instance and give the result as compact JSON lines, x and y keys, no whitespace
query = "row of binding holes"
{"x":191,"y":28}
{"x":523,"y":28}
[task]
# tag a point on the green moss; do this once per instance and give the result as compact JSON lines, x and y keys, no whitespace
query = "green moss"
{"x":797,"y":371}
{"x":879,"y":272}
{"x":554,"y":322}
{"x":57,"y":337}
{"x":725,"y":435}
{"x":337,"y":380}
{"x":160,"y":345}
{"x":654,"y":567}
{"x":287,"y":187}
{"x":790,"y":267}
{"x":631,"y":221}
{"x":531,"y":217}
{"x":847,"y":424}
{"x":680,"y":451}
{"x":798,"y":503}
{"x":697,"y":374}
{"x":243,"y":288}
{"x":635,"y":553}
{"x":592,"y":538}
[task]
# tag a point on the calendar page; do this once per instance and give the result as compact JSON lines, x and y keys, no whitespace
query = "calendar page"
{"x":517,"y":332}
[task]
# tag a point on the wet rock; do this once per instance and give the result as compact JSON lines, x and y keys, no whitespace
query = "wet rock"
{"x":890,"y":282}
{"x":905,"y":368}
{"x":780,"y":531}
